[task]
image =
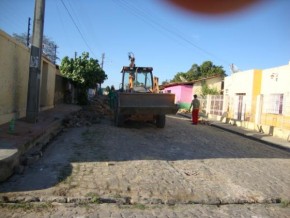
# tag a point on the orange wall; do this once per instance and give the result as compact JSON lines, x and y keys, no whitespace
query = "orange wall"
{"x":257,"y":81}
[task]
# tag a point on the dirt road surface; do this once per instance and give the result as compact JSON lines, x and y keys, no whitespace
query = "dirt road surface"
{"x":139,"y":170}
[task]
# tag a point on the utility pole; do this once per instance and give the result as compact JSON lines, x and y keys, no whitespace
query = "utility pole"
{"x":32,"y":107}
{"x":55,"y":47}
{"x":102,"y":66}
{"x":28,"y":32}
{"x":103,"y":58}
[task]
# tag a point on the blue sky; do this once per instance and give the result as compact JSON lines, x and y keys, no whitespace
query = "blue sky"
{"x":161,"y":36}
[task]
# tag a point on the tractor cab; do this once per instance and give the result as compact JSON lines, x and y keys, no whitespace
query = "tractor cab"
{"x":137,"y":79}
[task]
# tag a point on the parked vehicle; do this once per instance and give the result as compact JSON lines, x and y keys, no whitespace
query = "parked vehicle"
{"x":139,"y":98}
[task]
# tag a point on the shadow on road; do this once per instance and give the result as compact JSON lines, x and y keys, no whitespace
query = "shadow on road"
{"x":178,"y":141}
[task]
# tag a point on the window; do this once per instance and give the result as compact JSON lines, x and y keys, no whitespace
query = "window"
{"x":216,"y":104}
{"x":286,"y":104}
{"x":273,"y":104}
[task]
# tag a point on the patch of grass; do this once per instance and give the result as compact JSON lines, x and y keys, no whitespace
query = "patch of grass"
{"x":117,"y":196}
{"x":61,"y":191}
{"x":41,"y":206}
{"x":285,"y":203}
{"x":140,"y":206}
{"x":25,"y":206}
{"x":94,"y":198}
{"x":14,"y":206}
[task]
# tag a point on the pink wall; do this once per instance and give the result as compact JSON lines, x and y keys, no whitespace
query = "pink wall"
{"x":183,"y":93}
{"x":186,"y":94}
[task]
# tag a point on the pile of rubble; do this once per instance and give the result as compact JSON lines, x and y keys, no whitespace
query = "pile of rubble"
{"x":183,"y":111}
{"x":204,"y":122}
{"x":90,"y":114}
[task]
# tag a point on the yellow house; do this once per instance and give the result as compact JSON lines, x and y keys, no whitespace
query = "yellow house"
{"x":214,"y":82}
{"x":14,"y":72}
{"x":260,"y":100}
{"x":211,"y":105}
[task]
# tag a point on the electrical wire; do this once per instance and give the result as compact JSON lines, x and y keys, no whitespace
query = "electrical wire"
{"x":83,"y":38}
{"x":8,"y":16}
{"x":143,"y":14}
{"x":87,"y":25}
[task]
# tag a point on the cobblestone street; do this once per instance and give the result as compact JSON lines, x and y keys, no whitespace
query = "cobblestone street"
{"x":142,"y":171}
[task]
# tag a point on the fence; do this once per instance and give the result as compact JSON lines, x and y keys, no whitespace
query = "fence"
{"x":271,"y":110}
{"x":212,"y":104}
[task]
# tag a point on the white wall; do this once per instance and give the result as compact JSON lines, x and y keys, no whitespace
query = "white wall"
{"x":240,"y":82}
{"x":276,"y":80}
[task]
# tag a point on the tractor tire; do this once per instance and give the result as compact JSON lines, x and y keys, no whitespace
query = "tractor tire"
{"x":160,"y":121}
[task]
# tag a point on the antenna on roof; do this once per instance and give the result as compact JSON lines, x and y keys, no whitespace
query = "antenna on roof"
{"x":234,"y":68}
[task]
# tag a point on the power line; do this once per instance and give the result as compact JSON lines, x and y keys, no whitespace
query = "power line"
{"x":87,"y":25}
{"x":7,"y":12}
{"x":109,"y":60}
{"x":145,"y":17}
{"x":78,"y":28}
{"x":135,"y":13}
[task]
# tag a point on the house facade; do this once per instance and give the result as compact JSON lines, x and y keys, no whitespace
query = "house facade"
{"x":213,"y":82}
{"x":184,"y":91}
{"x":259,"y":100}
{"x":240,"y":93}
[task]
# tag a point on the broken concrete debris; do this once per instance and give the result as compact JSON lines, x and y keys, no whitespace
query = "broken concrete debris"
{"x":89,"y":114}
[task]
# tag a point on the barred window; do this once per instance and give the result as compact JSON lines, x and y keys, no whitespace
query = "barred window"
{"x":216,"y":104}
{"x":273,"y":104}
{"x":286,"y":104}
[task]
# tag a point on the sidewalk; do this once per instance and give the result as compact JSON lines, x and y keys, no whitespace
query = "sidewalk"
{"x":29,"y":135}
{"x":251,"y":134}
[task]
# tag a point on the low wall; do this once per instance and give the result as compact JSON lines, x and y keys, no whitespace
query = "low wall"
{"x":266,"y":129}
{"x":14,"y":71}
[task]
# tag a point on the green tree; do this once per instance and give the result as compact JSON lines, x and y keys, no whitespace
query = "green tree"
{"x":107,"y":89}
{"x":85,"y":72}
{"x":206,"y":69}
{"x":193,"y":73}
{"x":205,"y":90}
{"x":179,"y":77}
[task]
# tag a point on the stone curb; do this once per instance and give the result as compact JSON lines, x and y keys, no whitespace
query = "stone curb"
{"x":272,"y":144}
{"x":10,"y":163}
{"x":241,"y":133}
{"x":128,"y":201}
